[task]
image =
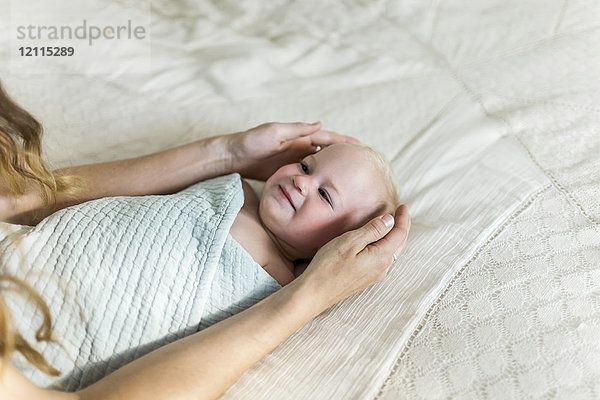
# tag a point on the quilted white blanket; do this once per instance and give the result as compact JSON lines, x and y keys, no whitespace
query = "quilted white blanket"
{"x":134,"y":273}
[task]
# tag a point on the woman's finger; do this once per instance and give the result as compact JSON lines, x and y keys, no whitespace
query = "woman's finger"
{"x":395,"y":240}
{"x":324,"y":138}
{"x":294,"y":130}
{"x":371,"y":232}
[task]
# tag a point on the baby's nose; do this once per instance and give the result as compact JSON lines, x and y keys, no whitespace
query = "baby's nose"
{"x":302,"y":182}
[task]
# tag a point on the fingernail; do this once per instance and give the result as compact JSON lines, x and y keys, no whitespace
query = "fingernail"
{"x":316,"y":123}
{"x":388,"y":220}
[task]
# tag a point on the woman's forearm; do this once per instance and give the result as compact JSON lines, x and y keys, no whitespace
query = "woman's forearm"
{"x":204,"y":365}
{"x":164,"y":172}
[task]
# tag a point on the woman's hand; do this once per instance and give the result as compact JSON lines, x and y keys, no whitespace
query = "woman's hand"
{"x":357,"y":259}
{"x":258,"y":152}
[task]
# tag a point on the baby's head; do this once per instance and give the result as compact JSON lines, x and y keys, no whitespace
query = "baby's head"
{"x":338,"y":189}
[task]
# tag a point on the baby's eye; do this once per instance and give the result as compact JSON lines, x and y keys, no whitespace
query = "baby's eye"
{"x":324,"y":195}
{"x":321,"y":191}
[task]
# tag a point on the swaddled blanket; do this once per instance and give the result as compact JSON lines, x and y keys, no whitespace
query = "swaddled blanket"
{"x":125,"y":275}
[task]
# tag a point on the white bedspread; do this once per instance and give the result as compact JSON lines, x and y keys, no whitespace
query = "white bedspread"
{"x":489,"y":112}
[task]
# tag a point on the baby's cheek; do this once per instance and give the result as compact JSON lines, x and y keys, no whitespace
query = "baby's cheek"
{"x":332,"y":231}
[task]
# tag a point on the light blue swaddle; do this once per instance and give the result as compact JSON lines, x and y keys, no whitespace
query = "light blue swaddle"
{"x":125,"y":275}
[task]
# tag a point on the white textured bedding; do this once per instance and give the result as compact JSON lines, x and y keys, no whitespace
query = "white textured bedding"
{"x":489,"y":113}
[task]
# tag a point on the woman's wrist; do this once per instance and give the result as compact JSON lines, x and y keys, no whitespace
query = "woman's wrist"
{"x":234,"y":154}
{"x":218,"y":151}
{"x":305,"y":297}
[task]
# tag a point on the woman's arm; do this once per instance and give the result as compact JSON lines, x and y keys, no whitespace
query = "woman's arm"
{"x":164,"y":172}
{"x":204,"y":365}
{"x":200,"y":366}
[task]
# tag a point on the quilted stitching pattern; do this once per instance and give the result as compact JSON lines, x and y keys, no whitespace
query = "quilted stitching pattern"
{"x":135,"y":273}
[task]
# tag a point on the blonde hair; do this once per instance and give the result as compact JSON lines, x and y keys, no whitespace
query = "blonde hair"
{"x":384,"y":167}
{"x":21,"y":165}
{"x":21,"y":162}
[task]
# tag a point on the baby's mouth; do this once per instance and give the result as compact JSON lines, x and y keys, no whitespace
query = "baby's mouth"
{"x":286,"y":195}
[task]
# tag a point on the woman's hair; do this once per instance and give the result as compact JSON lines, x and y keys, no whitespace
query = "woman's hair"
{"x":21,"y":165}
{"x":10,"y":339}
{"x":21,"y":162}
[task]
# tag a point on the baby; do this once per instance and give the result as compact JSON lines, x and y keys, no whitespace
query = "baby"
{"x":306,"y":204}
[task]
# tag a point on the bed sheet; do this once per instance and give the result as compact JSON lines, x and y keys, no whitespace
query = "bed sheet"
{"x":488,"y":111}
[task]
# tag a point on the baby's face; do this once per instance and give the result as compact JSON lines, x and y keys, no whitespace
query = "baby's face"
{"x":307,"y":204}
